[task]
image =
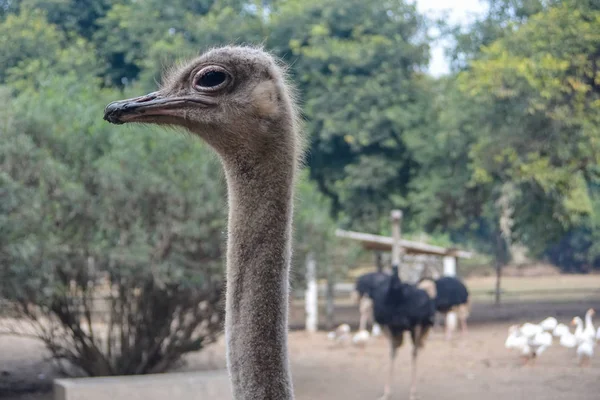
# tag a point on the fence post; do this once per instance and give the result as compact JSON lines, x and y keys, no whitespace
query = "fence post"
{"x":330,"y":300}
{"x":498,"y":279}
{"x":449,"y":262}
{"x":311,"y":297}
{"x":396,"y":249}
{"x":378,"y":261}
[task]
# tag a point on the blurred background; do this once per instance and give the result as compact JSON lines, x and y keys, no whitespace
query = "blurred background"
{"x":479,"y":119}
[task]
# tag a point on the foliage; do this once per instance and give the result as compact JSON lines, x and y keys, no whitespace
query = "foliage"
{"x":96,"y":217}
{"x":540,"y":111}
{"x":369,"y":53}
{"x":504,"y":150}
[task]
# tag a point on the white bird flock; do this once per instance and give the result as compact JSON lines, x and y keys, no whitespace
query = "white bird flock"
{"x":531,"y":340}
{"x":341,"y":335}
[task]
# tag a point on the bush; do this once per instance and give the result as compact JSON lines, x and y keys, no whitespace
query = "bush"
{"x":110,"y":239}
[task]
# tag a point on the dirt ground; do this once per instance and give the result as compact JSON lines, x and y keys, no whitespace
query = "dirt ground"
{"x":468,"y":368}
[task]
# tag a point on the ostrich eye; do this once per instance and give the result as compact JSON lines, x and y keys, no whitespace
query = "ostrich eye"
{"x":211,"y":79}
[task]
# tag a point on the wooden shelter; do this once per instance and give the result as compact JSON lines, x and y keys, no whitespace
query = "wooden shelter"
{"x":386,"y":244}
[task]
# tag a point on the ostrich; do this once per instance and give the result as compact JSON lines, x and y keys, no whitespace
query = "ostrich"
{"x":398,"y":307}
{"x":238,"y":101}
{"x":363,"y":283}
{"x":450,"y":296}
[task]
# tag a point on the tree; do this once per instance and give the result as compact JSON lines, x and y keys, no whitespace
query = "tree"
{"x":358,"y":65}
{"x":538,"y":95}
{"x":94,"y":218}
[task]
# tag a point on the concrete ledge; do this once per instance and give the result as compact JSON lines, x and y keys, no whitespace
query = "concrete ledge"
{"x":212,"y":385}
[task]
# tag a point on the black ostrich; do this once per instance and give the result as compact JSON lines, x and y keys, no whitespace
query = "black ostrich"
{"x":364,"y":284}
{"x":398,"y":307}
{"x":450,"y":296}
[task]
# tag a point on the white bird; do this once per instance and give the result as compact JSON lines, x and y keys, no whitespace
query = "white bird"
{"x":568,"y":340}
{"x":589,"y":332}
{"x":539,"y":343}
{"x":560,"y":330}
{"x":529,"y":347}
{"x":549,"y":324}
{"x":515,"y":339}
{"x":585,"y":351}
{"x":543,"y":339}
{"x":519,"y":342}
{"x":530,"y":330}
{"x":341,"y":334}
{"x":361,"y":338}
{"x":578,"y":329}
{"x":376,"y":331}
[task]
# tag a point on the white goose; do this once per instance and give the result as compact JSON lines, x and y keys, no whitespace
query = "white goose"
{"x":540,"y":342}
{"x":567,"y":339}
{"x":530,"y":330}
{"x":549,"y":324}
{"x":585,"y":351}
{"x":578,"y":329}
{"x":515,"y":339}
{"x":376,"y":331}
{"x":589,"y":332}
{"x":361,"y":338}
{"x":586,"y":338}
{"x":560,"y":330}
{"x":341,"y":334}
{"x":528,"y":346}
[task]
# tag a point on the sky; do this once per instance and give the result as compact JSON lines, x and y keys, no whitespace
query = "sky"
{"x":460,"y":11}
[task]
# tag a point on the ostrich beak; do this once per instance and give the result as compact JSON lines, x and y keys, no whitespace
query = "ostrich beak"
{"x":152,"y":104}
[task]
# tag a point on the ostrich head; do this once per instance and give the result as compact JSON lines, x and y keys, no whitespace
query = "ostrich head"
{"x":223,"y":96}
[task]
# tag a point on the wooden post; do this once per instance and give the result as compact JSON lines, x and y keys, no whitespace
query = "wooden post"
{"x":396,"y":249}
{"x":498,"y":287}
{"x":311,"y":297}
{"x":378,"y":261}
{"x":449,"y":262}
{"x":501,"y":259}
{"x":330,"y":297}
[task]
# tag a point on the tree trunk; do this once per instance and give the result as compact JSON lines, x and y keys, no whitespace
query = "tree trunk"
{"x":498,"y":287}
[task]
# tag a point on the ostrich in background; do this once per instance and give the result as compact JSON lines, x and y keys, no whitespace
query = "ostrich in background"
{"x":238,"y":101}
{"x":398,"y":307}
{"x":365,"y":303}
{"x":451,"y":297}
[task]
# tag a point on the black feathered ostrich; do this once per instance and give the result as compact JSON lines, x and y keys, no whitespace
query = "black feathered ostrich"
{"x":450,"y":296}
{"x":398,"y":307}
{"x":364,"y":284}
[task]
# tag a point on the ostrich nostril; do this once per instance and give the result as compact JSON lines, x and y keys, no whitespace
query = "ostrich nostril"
{"x":148,"y":97}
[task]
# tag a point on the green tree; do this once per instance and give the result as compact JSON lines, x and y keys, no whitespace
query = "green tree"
{"x":357,"y":65}
{"x":538,"y":97}
{"x":92,"y":216}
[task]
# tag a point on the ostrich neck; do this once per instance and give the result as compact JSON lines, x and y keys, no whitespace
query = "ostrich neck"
{"x":258,"y":258}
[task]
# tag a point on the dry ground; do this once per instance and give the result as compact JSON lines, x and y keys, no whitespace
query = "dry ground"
{"x":474,"y":368}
